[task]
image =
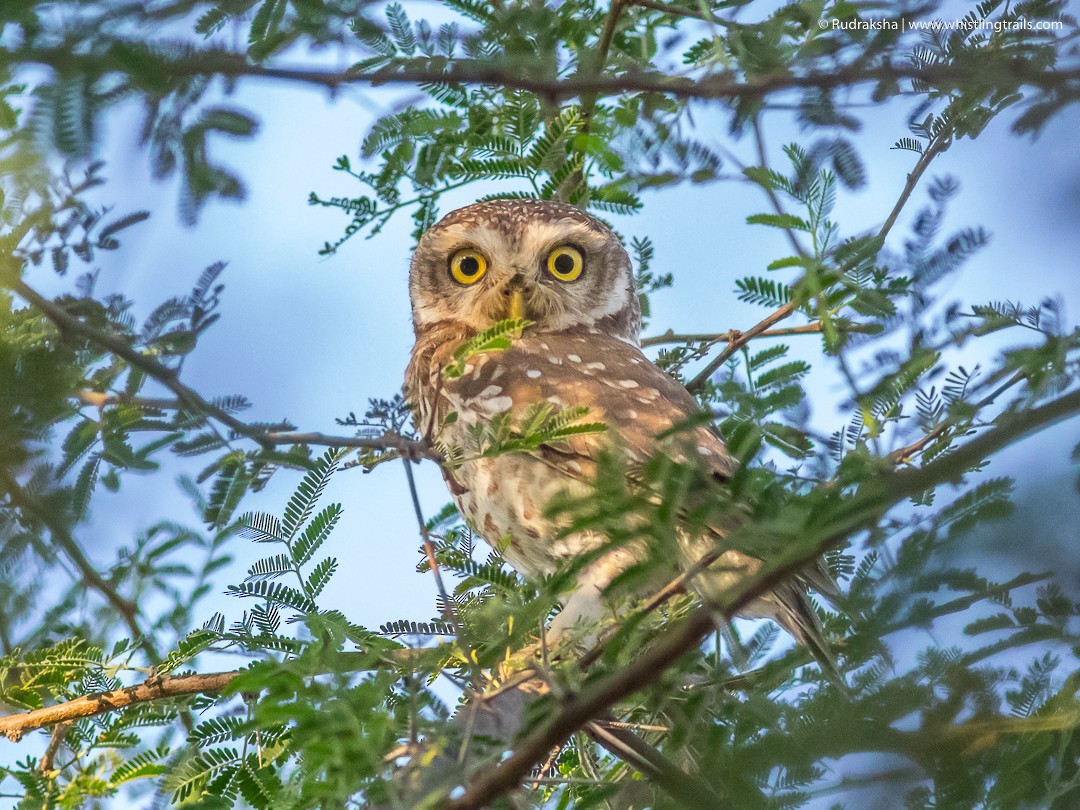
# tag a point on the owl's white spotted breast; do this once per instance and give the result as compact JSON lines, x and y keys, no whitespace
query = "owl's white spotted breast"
{"x":504,"y":497}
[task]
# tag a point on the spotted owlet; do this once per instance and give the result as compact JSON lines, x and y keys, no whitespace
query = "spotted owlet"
{"x":568,"y":274}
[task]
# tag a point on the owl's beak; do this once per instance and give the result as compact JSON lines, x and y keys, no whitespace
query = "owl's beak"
{"x":516,"y":305}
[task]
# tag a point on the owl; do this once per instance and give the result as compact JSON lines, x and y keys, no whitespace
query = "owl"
{"x":568,"y":274}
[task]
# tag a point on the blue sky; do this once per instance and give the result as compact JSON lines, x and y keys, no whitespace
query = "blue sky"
{"x":311,"y":338}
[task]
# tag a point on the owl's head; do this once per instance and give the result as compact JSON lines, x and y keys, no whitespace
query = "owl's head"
{"x":545,"y":261}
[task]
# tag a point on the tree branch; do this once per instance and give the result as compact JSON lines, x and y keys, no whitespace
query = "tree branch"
{"x":737,"y":341}
{"x":936,"y":147}
{"x":702,"y":13}
{"x":979,"y":67}
{"x":70,"y":325}
{"x":409,"y":448}
{"x":189,"y":398}
{"x":57,"y":739}
{"x":734,"y":334}
{"x":14,"y":726}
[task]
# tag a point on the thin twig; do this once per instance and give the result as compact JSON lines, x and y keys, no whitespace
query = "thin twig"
{"x":588,"y":101}
{"x":391,"y":440}
{"x":734,"y":334}
{"x":904,"y":454}
{"x":672,"y":588}
{"x":936,"y":147}
{"x":703,"y":14}
{"x":57,"y":739}
{"x":633,"y":726}
{"x":69,"y":324}
{"x":737,"y":341}
{"x":187,"y":397}
{"x":740,"y":339}
{"x":429,"y":549}
{"x":770,"y":192}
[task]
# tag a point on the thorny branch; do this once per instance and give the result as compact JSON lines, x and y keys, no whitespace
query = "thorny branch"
{"x":69,"y":325}
{"x":738,"y":342}
{"x":163,"y":687}
{"x":57,"y":739}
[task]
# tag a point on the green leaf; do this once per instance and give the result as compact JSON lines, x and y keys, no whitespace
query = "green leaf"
{"x":786,"y":221}
{"x":274,"y":592}
{"x":495,"y":338}
{"x":308,"y":492}
{"x":316,"y":533}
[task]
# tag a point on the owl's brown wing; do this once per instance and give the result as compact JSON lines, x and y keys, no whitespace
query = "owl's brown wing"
{"x":620,"y":386}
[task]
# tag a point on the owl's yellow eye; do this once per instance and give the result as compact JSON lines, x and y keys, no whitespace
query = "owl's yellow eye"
{"x":467,"y":266}
{"x":566,"y":263}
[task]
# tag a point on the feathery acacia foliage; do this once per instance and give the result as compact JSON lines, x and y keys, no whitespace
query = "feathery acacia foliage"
{"x":601,"y":105}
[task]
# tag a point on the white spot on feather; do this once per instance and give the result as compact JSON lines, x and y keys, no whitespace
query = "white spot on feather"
{"x":573,"y":358}
{"x":497,"y":404}
{"x":647,"y":395}
{"x":628,"y":383}
{"x":532,"y":373}
{"x":596,"y":366}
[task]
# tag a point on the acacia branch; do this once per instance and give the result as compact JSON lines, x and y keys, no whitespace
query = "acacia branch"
{"x":737,"y":341}
{"x":391,"y":440}
{"x":57,"y":739}
{"x":163,"y":687}
{"x":976,"y":67}
{"x":936,"y":147}
{"x":734,"y":334}
{"x":876,"y":498}
{"x":14,"y":726}
{"x":701,"y":13}
{"x":187,"y":397}
{"x":69,"y":324}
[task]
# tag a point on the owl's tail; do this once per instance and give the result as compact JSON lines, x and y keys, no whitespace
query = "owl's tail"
{"x":789,"y":606}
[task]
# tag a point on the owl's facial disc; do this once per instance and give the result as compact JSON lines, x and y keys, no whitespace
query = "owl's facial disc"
{"x":547,"y":262}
